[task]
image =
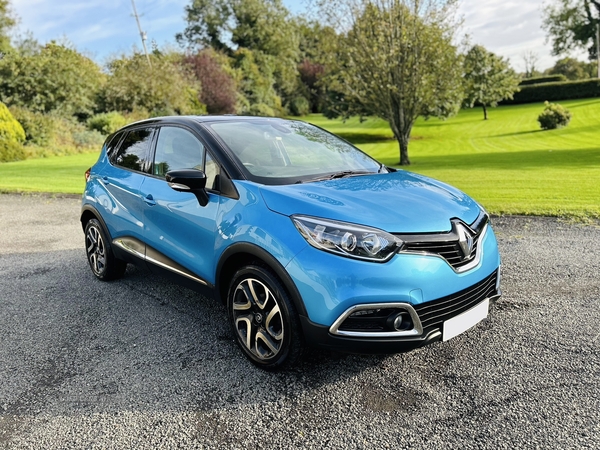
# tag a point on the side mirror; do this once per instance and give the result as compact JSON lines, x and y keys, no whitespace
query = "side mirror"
{"x":189,"y":180}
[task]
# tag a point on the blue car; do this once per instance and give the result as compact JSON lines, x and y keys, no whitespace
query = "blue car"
{"x":307,"y":240}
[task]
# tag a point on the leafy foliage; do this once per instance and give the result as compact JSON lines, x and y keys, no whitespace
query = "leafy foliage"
{"x":54,"y":78}
{"x":574,"y":69}
{"x":556,"y":91}
{"x":162,"y":88}
{"x":397,"y":62}
{"x":488,"y":79}
{"x":218,"y":86}
{"x":256,"y":86}
{"x":10,"y":128}
{"x":544,"y":79}
{"x":554,"y":116}
{"x":39,"y":128}
{"x":107,"y":123}
{"x":11,"y":151}
{"x":571,"y":24}
{"x":263,"y":27}
{"x":7,"y":22}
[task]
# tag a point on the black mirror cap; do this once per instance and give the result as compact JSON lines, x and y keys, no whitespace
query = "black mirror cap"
{"x":186,"y":180}
{"x":189,"y":180}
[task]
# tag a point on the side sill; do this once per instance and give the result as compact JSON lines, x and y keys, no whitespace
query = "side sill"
{"x":140,"y":250}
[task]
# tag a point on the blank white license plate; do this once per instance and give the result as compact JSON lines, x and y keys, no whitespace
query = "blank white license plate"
{"x":461,"y":323}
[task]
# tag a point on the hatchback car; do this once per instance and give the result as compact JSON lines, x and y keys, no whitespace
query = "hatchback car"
{"x":306,"y":239}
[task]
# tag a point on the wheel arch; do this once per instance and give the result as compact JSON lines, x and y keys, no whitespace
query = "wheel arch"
{"x":242,"y":254}
{"x":88,"y":212}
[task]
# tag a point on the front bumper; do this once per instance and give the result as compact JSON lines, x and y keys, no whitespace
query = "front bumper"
{"x":428,"y":320}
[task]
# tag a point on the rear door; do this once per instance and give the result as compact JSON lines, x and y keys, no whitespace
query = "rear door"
{"x":122,"y":178}
{"x":175,"y":225}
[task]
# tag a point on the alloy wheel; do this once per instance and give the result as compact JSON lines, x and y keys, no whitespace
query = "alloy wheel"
{"x":257,"y":318}
{"x":96,"y":250}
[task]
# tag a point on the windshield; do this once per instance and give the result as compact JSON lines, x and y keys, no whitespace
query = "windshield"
{"x":275,"y":151}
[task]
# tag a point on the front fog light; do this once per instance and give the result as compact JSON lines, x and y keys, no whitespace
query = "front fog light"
{"x":400,"y":322}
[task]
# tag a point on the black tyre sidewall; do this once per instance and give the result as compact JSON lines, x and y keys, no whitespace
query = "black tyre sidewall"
{"x":292,"y":340}
{"x":113,"y":268}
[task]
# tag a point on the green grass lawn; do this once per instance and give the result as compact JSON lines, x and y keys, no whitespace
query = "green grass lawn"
{"x":507,"y":163}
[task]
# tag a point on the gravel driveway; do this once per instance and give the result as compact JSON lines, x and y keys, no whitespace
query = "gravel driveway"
{"x":142,"y":363}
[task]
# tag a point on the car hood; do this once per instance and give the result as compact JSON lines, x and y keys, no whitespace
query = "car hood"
{"x":397,"y":202}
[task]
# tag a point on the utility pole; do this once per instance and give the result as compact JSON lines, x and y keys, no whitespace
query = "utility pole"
{"x":142,"y":33}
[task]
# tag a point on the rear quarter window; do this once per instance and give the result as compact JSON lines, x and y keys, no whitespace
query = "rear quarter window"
{"x":134,"y":151}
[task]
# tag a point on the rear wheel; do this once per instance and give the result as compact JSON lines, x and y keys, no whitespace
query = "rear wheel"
{"x":99,"y":253}
{"x":263,"y":318}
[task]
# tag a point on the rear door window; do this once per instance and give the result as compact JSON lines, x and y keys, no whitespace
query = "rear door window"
{"x":134,"y":151}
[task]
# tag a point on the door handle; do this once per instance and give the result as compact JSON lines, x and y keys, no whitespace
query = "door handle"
{"x":149,"y":200}
{"x":105,"y":180}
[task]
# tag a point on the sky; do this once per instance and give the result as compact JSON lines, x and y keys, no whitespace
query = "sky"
{"x":104,"y":28}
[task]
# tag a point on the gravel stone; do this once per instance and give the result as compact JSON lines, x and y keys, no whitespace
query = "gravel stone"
{"x":142,"y":363}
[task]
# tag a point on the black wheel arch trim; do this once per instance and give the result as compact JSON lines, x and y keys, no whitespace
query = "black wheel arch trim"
{"x":97,"y":215}
{"x":263,"y":255}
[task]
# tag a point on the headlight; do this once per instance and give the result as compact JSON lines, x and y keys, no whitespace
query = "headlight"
{"x":347,"y":239}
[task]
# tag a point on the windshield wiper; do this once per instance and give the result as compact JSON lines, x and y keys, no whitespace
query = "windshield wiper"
{"x":341,"y":174}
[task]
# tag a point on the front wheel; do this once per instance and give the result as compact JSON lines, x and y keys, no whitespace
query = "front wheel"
{"x":99,"y":253}
{"x":263,"y":318}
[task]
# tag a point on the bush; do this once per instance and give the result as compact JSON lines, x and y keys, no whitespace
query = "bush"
{"x":568,"y":90}
{"x":107,"y":123}
{"x":554,"y":116}
{"x":299,"y":106}
{"x":11,"y":151}
{"x":545,"y":79}
{"x":10,"y":129}
{"x":39,"y":128}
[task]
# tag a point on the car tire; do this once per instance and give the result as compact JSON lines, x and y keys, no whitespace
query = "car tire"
{"x":105,"y":266}
{"x":263,"y":319}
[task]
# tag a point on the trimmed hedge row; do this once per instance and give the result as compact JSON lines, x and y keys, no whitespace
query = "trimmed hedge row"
{"x":545,"y":79}
{"x":567,"y":90}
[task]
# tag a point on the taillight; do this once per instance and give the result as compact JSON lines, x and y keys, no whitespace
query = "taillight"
{"x":87,"y":174}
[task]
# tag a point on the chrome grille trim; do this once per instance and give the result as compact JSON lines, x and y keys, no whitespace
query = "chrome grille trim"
{"x":447,"y":246}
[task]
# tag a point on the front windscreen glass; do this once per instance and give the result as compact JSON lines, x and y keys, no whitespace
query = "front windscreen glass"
{"x":277,"y":151}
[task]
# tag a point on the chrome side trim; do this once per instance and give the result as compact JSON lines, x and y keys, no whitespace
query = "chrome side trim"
{"x":142,"y":251}
{"x":473,"y":263}
{"x":131,"y":245}
{"x":417,"y":329}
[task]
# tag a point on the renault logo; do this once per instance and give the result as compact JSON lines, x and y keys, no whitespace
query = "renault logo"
{"x":465,"y":240}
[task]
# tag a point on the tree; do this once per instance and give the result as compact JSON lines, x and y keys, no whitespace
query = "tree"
{"x":571,"y":68}
{"x":530,"y":59}
{"x":488,"y":79}
{"x":218,"y":86}
{"x":7,"y":22}
{"x":571,"y":24}
{"x":164,"y":87}
{"x":262,"y":26}
{"x":51,"y":78}
{"x":396,"y":61}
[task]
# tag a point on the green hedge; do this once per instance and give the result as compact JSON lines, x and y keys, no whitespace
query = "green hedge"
{"x":567,"y":90}
{"x":10,"y":129}
{"x":546,"y":79}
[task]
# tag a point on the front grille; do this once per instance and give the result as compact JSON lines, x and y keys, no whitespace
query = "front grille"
{"x":450,"y":251}
{"x":447,"y":245}
{"x":433,"y":313}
